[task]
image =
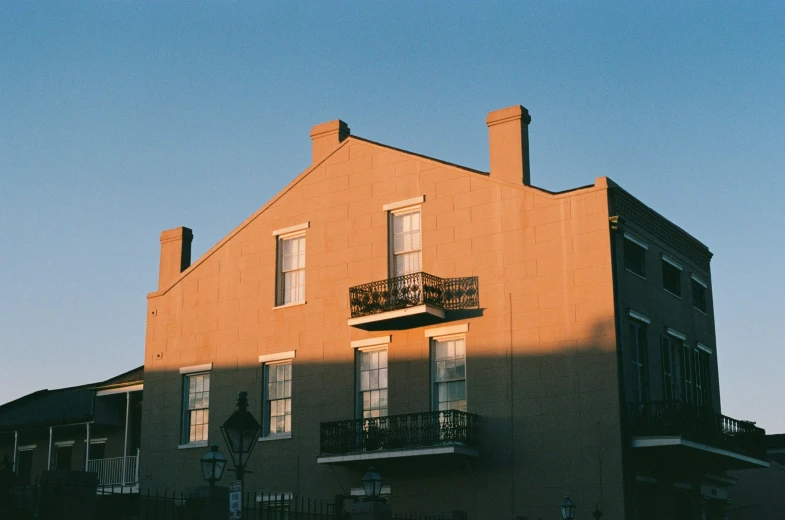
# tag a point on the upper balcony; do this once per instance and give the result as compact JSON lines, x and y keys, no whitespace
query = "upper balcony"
{"x":673,"y":432}
{"x":411,"y":300}
{"x":409,"y":435}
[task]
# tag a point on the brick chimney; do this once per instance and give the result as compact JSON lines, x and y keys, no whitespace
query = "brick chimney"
{"x":508,"y":131}
{"x":326,"y":137}
{"x":175,"y":254}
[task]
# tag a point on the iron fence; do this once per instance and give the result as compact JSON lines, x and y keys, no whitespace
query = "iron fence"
{"x":699,"y":423}
{"x":25,"y":502}
{"x":400,"y":431}
{"x":412,"y":290}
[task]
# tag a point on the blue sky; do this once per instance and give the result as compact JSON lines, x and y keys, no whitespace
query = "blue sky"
{"x":120,"y":119}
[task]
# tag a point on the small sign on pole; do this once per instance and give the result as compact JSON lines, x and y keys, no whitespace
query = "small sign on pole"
{"x":235,"y":500}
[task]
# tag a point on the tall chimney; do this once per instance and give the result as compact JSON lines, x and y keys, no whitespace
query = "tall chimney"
{"x":326,"y":136}
{"x":508,"y":131}
{"x":175,"y":254}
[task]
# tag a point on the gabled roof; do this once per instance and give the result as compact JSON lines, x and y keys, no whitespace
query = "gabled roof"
{"x":61,"y":406}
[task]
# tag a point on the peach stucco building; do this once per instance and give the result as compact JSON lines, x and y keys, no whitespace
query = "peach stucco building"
{"x":488,"y":345}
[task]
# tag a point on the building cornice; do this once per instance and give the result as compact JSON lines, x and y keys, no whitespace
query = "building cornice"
{"x":631,"y":209}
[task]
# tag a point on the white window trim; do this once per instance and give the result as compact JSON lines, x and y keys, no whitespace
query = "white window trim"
{"x":404,"y":203}
{"x":450,"y":330}
{"x":100,"y":440}
{"x":289,"y":233}
{"x":194,"y":444}
{"x":266,"y":361}
{"x":391,"y":234}
{"x":676,"y":334}
{"x":280,"y":356}
{"x":276,"y":437}
{"x":431,"y":355}
{"x":371,"y":342}
{"x":28,"y":447}
{"x":636,"y":241}
{"x":196,"y":368}
{"x":193,"y":370}
{"x":704,"y":348}
{"x":674,"y":263}
{"x":639,"y":317}
{"x":699,"y":281}
{"x":291,"y":229}
{"x":63,"y":444}
{"x":293,"y":304}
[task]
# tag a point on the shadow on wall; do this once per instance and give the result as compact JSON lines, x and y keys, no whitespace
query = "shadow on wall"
{"x":548,"y":423}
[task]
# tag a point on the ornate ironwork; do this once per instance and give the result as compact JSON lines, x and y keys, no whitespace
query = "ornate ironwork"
{"x":411,"y":290}
{"x":414,"y":430}
{"x":698,"y":423}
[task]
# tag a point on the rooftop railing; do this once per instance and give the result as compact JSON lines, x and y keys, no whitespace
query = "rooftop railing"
{"x":411,"y":290}
{"x":697,"y":423}
{"x":414,"y":430}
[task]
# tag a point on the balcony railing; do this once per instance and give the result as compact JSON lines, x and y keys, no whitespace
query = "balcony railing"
{"x":412,"y":290}
{"x":116,"y":470}
{"x":414,"y":430}
{"x":699,"y":424}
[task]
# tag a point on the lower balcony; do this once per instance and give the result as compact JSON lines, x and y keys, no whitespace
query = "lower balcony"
{"x":411,"y":300}
{"x":668,"y":433}
{"x":409,"y":435}
{"x":116,"y":472}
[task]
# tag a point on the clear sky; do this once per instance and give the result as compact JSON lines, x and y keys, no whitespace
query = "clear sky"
{"x":121,"y":119}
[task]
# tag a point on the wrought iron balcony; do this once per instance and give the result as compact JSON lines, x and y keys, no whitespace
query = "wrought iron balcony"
{"x":697,"y":424}
{"x":415,"y":292}
{"x":442,"y":432}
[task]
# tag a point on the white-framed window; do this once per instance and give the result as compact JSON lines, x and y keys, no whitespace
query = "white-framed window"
{"x":277,"y":398}
{"x":371,"y":382}
{"x":405,"y":241}
{"x":291,"y":269}
{"x":448,"y":356}
{"x":196,"y":407}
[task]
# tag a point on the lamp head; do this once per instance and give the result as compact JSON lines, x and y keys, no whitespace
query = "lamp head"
{"x":213,"y":464}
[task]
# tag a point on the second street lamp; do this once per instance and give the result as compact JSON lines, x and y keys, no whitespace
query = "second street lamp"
{"x":241,"y":431}
{"x":213,"y":464}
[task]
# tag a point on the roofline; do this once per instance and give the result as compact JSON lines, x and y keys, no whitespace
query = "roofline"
{"x":106,"y":384}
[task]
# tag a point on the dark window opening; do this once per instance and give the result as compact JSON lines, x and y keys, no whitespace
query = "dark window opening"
{"x":698,"y":296}
{"x":638,"y":358}
{"x":97,"y":450}
{"x":63,"y":460}
{"x":634,"y":258}
{"x":671,"y":278}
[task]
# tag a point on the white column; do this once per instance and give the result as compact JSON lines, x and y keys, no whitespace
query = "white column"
{"x":49,"y":454}
{"x":87,"y":447}
{"x":16,"y":449}
{"x":125,"y":440}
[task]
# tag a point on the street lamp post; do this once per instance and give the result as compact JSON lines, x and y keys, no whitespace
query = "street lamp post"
{"x":213,"y":464}
{"x":241,"y":431}
{"x":567,"y":509}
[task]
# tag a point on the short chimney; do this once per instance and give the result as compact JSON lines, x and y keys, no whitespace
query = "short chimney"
{"x":326,"y":137}
{"x":175,"y":255}
{"x":508,"y":131}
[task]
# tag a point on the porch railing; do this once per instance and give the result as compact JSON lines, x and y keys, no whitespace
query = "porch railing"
{"x":412,"y":430}
{"x":698,"y":423}
{"x":412,"y":290}
{"x":115,"y":470}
